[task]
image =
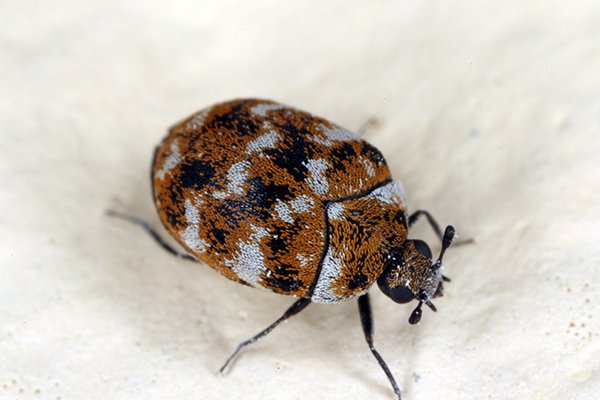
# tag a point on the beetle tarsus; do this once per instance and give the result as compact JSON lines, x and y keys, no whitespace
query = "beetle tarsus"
{"x":295,"y":308}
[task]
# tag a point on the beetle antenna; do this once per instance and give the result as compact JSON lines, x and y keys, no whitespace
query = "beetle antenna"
{"x":415,"y":317}
{"x":431,"y":306}
{"x":449,"y":234}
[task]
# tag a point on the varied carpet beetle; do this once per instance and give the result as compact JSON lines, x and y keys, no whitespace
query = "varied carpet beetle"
{"x":279,"y":199}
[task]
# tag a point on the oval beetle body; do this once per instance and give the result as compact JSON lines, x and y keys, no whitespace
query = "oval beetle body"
{"x":280,"y":199}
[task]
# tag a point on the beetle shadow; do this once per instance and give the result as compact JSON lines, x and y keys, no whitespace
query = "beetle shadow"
{"x":170,"y":308}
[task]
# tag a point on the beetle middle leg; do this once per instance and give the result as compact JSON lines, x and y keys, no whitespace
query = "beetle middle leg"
{"x":298,"y":306}
{"x":414,"y":217}
{"x":366,"y":319}
{"x":157,"y":238}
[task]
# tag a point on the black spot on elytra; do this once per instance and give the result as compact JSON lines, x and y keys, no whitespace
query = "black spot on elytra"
{"x":264,"y":195}
{"x":174,"y":217}
{"x":196,"y":174}
{"x":175,"y":193}
{"x":277,"y":243}
{"x":258,"y":202}
{"x":237,"y":120}
{"x":341,"y":154}
{"x":236,"y":211}
{"x":358,"y":281}
{"x":283,"y":277}
{"x":372,"y":153}
{"x":219,"y":235}
{"x":293,"y":156}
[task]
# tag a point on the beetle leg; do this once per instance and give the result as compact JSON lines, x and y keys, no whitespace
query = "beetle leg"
{"x":145,"y":226}
{"x":298,"y":306}
{"x":366,"y":319}
{"x":414,"y":217}
{"x":367,"y":125}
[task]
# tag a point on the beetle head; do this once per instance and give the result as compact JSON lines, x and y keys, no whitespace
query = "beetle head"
{"x":411,"y":274}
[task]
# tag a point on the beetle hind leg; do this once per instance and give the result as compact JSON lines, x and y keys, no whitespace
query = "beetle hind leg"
{"x":298,"y":306}
{"x":157,"y":238}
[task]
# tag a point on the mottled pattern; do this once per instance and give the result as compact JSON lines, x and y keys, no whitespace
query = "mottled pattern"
{"x":247,"y":186}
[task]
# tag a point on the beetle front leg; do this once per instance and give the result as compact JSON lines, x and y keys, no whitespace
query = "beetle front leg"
{"x":366,"y":319}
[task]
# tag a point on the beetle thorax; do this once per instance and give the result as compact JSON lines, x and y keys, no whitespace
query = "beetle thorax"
{"x":360,"y":231}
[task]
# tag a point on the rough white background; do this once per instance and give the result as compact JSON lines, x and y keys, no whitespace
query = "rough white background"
{"x":490,"y":115}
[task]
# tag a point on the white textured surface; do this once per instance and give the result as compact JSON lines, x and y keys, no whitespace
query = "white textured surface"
{"x":490,"y":116}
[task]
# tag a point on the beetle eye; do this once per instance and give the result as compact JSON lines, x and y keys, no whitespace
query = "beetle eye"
{"x":422,"y":248}
{"x":401,"y":294}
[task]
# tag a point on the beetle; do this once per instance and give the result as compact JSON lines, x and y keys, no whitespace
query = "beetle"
{"x":276,"y":198}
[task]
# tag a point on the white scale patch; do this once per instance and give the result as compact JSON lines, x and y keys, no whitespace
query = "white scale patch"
{"x":249,"y":262}
{"x":304,"y":259}
{"x":301,"y":204}
{"x":236,"y":177}
{"x":335,"y":210}
{"x":335,"y":134}
{"x":369,"y":168}
{"x":190,"y":234}
{"x":284,"y":212}
{"x":263,"y":108}
{"x":198,"y":119}
{"x":266,"y":141}
{"x":330,"y":272}
{"x":317,"y":180}
{"x":392,"y":193}
{"x":171,"y":162}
